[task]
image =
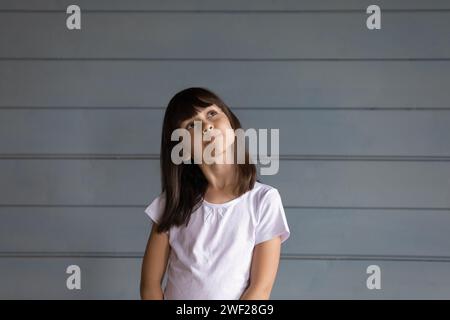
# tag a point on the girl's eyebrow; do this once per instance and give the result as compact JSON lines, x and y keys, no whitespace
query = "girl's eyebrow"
{"x":205,"y":110}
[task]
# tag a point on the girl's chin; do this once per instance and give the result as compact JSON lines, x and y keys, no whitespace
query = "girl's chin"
{"x":214,"y":156}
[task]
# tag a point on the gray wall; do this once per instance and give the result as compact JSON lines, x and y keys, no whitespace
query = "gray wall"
{"x":364,"y":124}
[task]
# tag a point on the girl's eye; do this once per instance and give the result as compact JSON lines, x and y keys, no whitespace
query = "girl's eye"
{"x":212,"y":113}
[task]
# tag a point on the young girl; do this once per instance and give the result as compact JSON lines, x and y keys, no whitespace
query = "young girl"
{"x":215,"y":226}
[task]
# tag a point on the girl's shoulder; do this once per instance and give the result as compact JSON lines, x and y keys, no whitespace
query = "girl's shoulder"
{"x":263,"y":190}
{"x":156,"y":207}
{"x":159,"y":199}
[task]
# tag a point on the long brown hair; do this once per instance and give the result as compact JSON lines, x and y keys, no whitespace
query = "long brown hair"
{"x":184,"y":185}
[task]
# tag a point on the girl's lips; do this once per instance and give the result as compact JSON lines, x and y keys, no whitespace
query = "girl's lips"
{"x":212,"y":139}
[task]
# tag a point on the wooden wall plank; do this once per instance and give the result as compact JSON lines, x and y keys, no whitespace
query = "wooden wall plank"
{"x":261,"y":84}
{"x":116,"y":278}
{"x":124,"y":230}
{"x":318,"y":183}
{"x":200,"y":5}
{"x":301,"y":132}
{"x":241,"y":35}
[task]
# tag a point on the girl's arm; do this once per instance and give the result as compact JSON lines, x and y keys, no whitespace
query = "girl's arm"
{"x":265,"y":260}
{"x":154,"y":265}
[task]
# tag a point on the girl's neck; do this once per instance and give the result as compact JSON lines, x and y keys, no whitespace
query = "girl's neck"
{"x":222,"y":181}
{"x":219,"y":176}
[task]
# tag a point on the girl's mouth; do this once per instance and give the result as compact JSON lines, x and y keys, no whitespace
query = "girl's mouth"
{"x":212,"y":139}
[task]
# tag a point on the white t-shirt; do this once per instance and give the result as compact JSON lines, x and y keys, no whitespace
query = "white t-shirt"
{"x":211,"y":258}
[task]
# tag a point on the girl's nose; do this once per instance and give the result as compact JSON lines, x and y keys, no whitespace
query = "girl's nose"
{"x":209,"y":127}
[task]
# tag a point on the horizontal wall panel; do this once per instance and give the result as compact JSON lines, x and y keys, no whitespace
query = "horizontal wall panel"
{"x":340,"y":279}
{"x":73,"y":229}
{"x":125,"y":230}
{"x":37,"y":278}
{"x":228,"y":36}
{"x":301,"y":132}
{"x":412,"y":184}
{"x":200,"y":5}
{"x":293,"y":84}
{"x":106,"y":278}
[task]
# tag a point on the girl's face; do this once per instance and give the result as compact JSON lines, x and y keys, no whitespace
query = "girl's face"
{"x":213,"y":123}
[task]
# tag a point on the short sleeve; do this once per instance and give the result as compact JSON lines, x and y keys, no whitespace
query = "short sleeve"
{"x":272,"y":220}
{"x":156,"y":209}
